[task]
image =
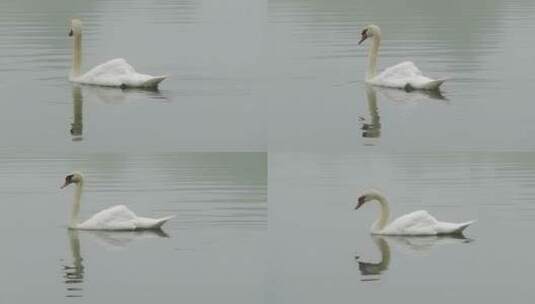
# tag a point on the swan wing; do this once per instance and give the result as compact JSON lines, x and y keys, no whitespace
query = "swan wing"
{"x":110,"y":73}
{"x":415,"y":223}
{"x":113,"y":218}
{"x":422,"y":223}
{"x":118,"y":73}
{"x":404,"y":69}
{"x":405,"y":75}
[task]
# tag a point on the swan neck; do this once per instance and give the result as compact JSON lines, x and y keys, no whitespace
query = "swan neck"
{"x":76,"y":55}
{"x":76,"y":205}
{"x":384,"y":216}
{"x":372,"y":56}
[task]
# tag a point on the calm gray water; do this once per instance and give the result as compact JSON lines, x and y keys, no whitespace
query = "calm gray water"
{"x":267,"y":93}
{"x":312,"y":198}
{"x":216,"y":239}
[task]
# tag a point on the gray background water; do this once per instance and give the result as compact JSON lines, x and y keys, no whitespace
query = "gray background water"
{"x":267,"y":93}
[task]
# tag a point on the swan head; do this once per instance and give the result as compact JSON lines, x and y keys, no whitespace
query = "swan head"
{"x":74,"y":178}
{"x":76,"y":27}
{"x":367,"y":196}
{"x":371,"y":30}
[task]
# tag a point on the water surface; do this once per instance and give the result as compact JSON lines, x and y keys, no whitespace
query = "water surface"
{"x":267,"y":92}
{"x":216,"y":239}
{"x":329,"y":253}
{"x":483,"y":47}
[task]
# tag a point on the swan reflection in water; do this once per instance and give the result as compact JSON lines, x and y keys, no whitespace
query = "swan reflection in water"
{"x":108,"y":96}
{"x":398,"y":95}
{"x":409,"y":245}
{"x":73,"y":273}
{"x":371,"y":129}
{"x":77,"y":125}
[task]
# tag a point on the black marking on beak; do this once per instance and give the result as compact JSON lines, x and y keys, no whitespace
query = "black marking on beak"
{"x":364,"y":35}
{"x":71,"y":33}
{"x":361,"y":201}
{"x":68,"y":181}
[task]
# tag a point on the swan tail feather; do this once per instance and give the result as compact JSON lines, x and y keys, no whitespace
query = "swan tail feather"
{"x":143,"y":223}
{"x":163,"y":220}
{"x":452,"y":228}
{"x":154,"y":81}
{"x":434,"y":84}
{"x":462,"y":226}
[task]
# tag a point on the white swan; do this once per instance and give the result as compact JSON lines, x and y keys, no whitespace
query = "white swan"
{"x":404,"y":75}
{"x":113,"y":218}
{"x":415,"y":223}
{"x":114,"y":73}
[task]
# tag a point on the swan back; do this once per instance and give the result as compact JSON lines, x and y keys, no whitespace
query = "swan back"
{"x":415,"y":223}
{"x":118,"y":73}
{"x":405,"y":75}
{"x":113,"y":218}
{"x":421,"y":223}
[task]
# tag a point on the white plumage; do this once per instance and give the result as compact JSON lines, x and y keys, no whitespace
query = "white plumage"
{"x":120,"y":218}
{"x":114,"y":73}
{"x":117,"y":73}
{"x":114,"y":218}
{"x":420,"y":223}
{"x":415,"y":223}
{"x":404,"y":75}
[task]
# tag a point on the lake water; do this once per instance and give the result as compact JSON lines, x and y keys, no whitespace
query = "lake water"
{"x":259,"y":142}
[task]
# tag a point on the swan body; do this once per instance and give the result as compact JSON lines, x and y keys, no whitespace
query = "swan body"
{"x":117,"y":73}
{"x":120,"y":218}
{"x":415,"y":223}
{"x":405,"y":75}
{"x":114,"y":73}
{"x":114,"y":218}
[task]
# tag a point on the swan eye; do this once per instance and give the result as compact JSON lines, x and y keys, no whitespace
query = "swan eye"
{"x":71,"y":33}
{"x":364,"y":32}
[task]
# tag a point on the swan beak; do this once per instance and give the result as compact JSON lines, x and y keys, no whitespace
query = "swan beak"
{"x":364,"y":37}
{"x":64,"y":185}
{"x":361,"y":201}
{"x":70,"y":33}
